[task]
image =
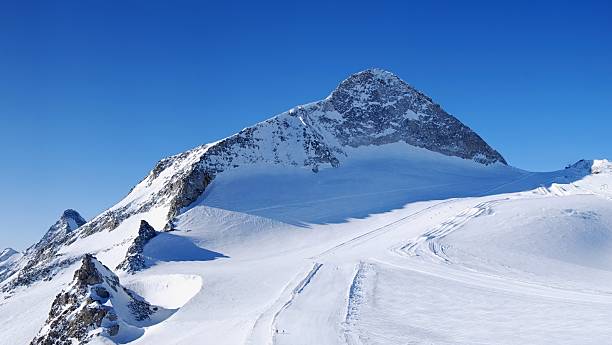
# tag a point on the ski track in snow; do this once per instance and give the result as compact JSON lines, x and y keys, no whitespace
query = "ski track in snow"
{"x":275,"y":311}
{"x":427,"y":244}
{"x":499,"y":284}
{"x":296,"y":291}
{"x":356,"y":296}
{"x":380,"y":230}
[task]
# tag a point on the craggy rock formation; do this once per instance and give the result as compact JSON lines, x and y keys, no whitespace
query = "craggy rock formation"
{"x":88,"y":308}
{"x":134,"y":260}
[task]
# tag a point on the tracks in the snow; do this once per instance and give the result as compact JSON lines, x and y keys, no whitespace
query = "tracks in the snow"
{"x":378,"y":231}
{"x":266,"y":324}
{"x":294,"y":293}
{"x":428,"y":243}
{"x":356,"y":297}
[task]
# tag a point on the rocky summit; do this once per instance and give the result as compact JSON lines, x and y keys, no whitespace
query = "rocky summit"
{"x":40,"y":261}
{"x":6,"y":254}
{"x":69,"y":221}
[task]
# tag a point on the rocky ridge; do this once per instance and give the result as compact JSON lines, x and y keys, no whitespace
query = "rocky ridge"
{"x":90,"y":307}
{"x":40,"y":260}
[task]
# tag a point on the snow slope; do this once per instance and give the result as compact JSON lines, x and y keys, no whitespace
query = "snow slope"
{"x":396,"y":246}
{"x":393,"y":243}
{"x":328,"y":262}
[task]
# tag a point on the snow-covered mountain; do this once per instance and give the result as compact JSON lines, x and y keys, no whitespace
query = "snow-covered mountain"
{"x":8,"y":257}
{"x":39,"y":261}
{"x":369,"y":217}
{"x":7,"y":253}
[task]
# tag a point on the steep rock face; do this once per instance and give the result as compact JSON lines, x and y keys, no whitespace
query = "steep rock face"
{"x":134,"y":260}
{"x":40,"y":261}
{"x":88,"y":308}
{"x":376,"y":107}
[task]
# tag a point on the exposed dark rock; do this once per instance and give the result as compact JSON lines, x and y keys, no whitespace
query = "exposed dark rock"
{"x":86,"y":310}
{"x":134,"y":260}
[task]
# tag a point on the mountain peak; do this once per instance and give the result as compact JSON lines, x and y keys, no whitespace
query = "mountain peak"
{"x":74,"y":215}
{"x":6,"y":253}
{"x":376,"y":107}
{"x":373,"y":107}
{"x":374,"y":73}
{"x":371,"y":83}
{"x":69,"y":221}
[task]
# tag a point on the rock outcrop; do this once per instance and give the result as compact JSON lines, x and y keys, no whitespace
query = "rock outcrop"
{"x":134,"y":260}
{"x":90,"y":307}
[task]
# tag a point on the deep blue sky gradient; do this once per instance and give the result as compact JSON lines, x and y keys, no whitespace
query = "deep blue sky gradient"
{"x":93,"y":93}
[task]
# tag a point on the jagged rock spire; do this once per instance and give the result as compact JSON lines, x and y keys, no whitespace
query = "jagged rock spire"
{"x":87,"y":308}
{"x":134,"y":260}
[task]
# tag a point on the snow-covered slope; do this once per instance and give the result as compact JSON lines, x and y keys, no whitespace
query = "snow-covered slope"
{"x":370,"y":217}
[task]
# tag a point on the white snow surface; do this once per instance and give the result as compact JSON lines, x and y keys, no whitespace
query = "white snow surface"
{"x":397,"y":245}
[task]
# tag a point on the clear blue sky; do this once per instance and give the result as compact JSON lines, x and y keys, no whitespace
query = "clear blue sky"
{"x":93,"y":93}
